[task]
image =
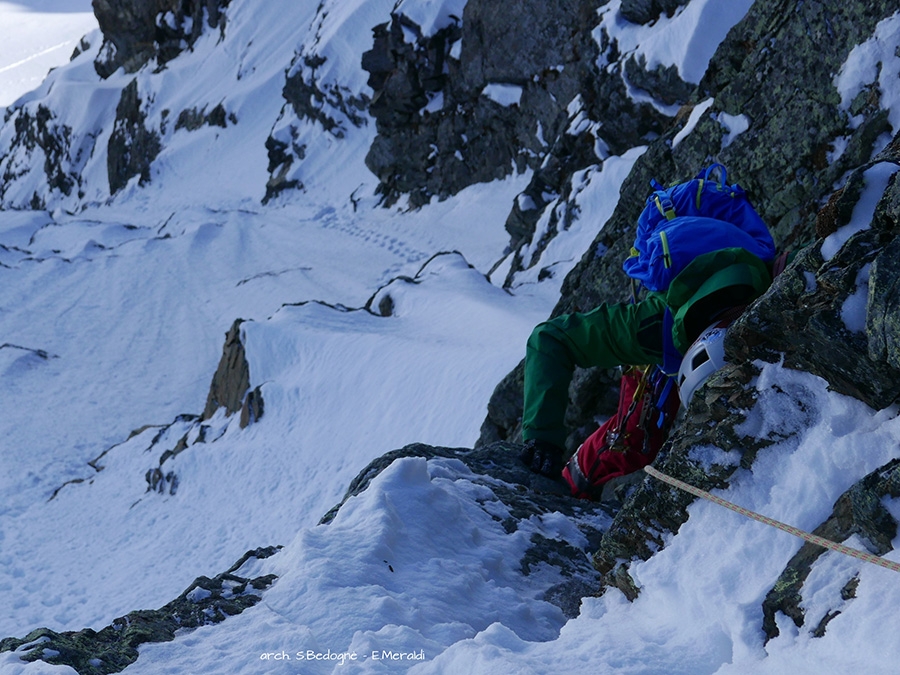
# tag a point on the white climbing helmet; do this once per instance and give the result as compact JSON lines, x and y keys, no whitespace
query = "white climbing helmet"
{"x":701,"y":360}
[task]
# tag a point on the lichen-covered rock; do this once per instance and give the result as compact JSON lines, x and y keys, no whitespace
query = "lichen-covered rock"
{"x":786,"y":159}
{"x":810,"y":316}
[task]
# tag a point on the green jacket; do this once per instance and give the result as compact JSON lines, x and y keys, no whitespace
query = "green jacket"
{"x":655,"y":330}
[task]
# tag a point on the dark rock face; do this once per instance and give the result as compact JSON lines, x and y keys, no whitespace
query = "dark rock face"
{"x":136,"y":32}
{"x":439,"y":131}
{"x":883,"y":310}
{"x":132,"y":146}
{"x":230,"y":386}
{"x":645,"y":11}
{"x":407,"y":156}
{"x":115,"y":647}
{"x":810,"y":332}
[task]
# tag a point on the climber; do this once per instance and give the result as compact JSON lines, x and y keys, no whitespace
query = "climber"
{"x":702,"y":264}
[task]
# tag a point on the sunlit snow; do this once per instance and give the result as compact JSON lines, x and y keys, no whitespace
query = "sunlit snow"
{"x":112,"y":321}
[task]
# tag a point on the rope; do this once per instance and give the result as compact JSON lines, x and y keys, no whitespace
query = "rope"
{"x":806,"y":536}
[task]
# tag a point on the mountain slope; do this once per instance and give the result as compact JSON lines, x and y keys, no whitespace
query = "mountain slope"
{"x":389,"y":195}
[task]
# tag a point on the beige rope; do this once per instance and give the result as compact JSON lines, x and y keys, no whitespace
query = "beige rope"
{"x":806,"y":536}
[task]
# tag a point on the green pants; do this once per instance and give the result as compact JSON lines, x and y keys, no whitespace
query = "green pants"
{"x":609,"y":336}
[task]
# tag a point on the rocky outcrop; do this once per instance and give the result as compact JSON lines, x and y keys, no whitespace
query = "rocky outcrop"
{"x":229,"y":392}
{"x":135,"y":31}
{"x":307,"y":97}
{"x":789,"y":158}
{"x":232,"y":377}
{"x":132,"y":145}
{"x":113,"y":648}
{"x":524,"y":496}
{"x":193,"y":119}
{"x":41,"y":132}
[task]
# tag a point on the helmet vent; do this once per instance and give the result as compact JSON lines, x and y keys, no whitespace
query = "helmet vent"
{"x":699,"y":359}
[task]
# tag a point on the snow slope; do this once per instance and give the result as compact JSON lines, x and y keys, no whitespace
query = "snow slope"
{"x":38,"y":35}
{"x":112,"y":318}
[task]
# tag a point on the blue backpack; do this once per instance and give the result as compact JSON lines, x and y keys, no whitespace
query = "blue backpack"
{"x":690,"y":219}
